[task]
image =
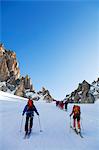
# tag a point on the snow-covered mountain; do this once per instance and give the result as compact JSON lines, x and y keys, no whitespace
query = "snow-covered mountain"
{"x":55,"y":124}
{"x":94,"y":89}
{"x":45,"y":94}
{"x":85,"y":92}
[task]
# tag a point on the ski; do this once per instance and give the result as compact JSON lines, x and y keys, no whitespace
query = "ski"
{"x":81,"y":135}
{"x":78,"y":133}
{"x":29,"y":134}
{"x":26,"y":136}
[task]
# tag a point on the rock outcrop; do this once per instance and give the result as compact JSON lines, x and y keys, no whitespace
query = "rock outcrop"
{"x":10,"y":78}
{"x":45,"y":94}
{"x":82,"y":94}
{"x":95,"y":89}
{"x":9,"y":69}
{"x":24,"y":85}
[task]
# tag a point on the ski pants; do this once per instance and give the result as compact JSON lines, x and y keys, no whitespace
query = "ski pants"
{"x":65,"y":106}
{"x":28,"y":123}
{"x":76,"y":118}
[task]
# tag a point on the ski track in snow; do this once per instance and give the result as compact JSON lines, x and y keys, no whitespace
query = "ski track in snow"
{"x":55,"y":124}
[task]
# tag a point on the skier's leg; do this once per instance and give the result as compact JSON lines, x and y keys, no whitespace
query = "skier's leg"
{"x":74,"y":123}
{"x":26,"y":124}
{"x":31,"y":123}
{"x":65,"y":107}
{"x":78,"y":123}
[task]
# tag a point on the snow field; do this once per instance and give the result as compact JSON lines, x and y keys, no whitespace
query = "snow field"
{"x":55,"y":124}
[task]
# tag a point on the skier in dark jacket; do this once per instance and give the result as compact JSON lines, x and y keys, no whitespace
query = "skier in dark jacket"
{"x":29,"y":110}
{"x":66,"y":103}
{"x":57,"y":102}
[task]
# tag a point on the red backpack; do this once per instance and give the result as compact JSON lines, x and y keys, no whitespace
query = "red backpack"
{"x":30,"y":103}
{"x":76,"y":109}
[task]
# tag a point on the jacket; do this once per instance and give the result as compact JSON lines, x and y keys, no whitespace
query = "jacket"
{"x":30,"y":111}
{"x":76,"y":110}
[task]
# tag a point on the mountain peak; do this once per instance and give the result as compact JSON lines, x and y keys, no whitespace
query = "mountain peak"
{"x":10,"y":77}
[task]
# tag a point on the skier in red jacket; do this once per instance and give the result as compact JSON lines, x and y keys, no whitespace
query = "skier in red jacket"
{"x":76,"y":116}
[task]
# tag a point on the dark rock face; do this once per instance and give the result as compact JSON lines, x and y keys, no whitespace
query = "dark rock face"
{"x":82,"y":94}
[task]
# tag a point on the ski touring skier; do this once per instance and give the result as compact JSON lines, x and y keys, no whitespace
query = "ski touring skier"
{"x":61,"y":105}
{"x":76,"y":118}
{"x":57,"y":103}
{"x":29,"y":110}
{"x":66,"y":103}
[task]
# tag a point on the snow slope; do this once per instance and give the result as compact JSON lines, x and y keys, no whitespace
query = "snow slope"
{"x":55,"y":123}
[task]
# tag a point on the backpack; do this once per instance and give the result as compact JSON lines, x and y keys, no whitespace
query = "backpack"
{"x":30,"y":103}
{"x":76,"y":109}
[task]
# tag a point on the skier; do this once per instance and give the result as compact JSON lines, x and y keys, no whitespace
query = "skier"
{"x":66,"y":103}
{"x":76,"y":117}
{"x":57,"y":102}
{"x":61,"y":104}
{"x":29,"y":110}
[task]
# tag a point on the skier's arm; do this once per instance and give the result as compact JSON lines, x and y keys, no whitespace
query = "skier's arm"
{"x":36,"y":111}
{"x":25,"y":109}
{"x":72,"y":113}
{"x":80,"y":112}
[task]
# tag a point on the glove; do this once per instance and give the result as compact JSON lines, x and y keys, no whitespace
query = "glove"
{"x":22,"y":114}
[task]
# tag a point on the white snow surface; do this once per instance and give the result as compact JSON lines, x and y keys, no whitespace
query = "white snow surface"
{"x":55,"y":124}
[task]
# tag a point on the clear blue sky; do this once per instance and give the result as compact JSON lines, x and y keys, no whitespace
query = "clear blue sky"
{"x":57,"y":43}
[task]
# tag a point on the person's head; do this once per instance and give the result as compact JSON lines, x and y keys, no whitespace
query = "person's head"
{"x":29,"y":97}
{"x":77,"y":105}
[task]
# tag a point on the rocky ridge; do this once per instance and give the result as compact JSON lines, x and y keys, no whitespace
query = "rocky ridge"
{"x":10,"y":79}
{"x":45,"y":94}
{"x":85,"y":93}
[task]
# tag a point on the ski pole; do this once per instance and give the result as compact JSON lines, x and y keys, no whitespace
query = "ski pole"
{"x":21,"y":124}
{"x":70,"y":124}
{"x":39,"y":124}
{"x":82,"y":125}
